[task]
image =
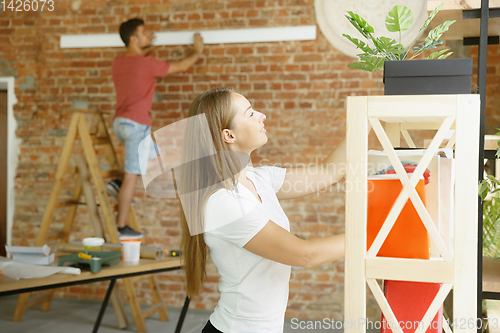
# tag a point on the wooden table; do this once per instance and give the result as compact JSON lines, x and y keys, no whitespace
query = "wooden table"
{"x":10,"y":286}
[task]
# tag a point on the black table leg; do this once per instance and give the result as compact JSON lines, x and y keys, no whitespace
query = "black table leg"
{"x":183,"y":314}
{"x":103,"y":306}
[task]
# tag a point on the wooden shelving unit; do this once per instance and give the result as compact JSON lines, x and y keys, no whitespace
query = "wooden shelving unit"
{"x":455,"y":269}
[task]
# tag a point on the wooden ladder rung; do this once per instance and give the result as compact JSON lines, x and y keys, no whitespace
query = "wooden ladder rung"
{"x":111,"y":173}
{"x":86,"y":111}
{"x":100,"y":140}
{"x":152,"y":310}
{"x":55,"y":235}
{"x":65,"y":203}
{"x":104,"y":173}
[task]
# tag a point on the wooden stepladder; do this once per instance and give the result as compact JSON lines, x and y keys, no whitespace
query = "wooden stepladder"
{"x":88,"y":168}
{"x":455,"y":266}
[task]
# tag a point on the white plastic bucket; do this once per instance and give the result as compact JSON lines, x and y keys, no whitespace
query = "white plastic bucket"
{"x":131,"y":249}
{"x":93,"y":243}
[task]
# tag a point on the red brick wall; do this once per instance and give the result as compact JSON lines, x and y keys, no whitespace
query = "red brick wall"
{"x":300,"y":86}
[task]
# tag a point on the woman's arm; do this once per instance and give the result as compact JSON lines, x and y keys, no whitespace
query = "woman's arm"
{"x":275,"y":243}
{"x":302,"y":181}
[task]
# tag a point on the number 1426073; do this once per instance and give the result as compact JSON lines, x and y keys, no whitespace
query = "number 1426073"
{"x":27,"y":5}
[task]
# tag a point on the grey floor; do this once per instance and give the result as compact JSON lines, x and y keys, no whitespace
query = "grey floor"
{"x":78,"y":316}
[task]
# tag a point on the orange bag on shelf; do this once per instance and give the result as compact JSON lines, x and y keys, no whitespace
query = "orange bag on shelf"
{"x":408,"y":237}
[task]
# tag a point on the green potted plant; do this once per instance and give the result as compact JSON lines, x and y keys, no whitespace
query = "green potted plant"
{"x":433,"y":75}
{"x":489,"y":190}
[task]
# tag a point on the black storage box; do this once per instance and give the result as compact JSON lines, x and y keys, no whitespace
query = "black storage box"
{"x":428,"y":77}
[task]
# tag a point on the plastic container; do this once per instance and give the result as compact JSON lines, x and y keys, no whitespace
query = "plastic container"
{"x":93,"y":243}
{"x":429,"y":76}
{"x":408,"y":237}
{"x":131,"y":249}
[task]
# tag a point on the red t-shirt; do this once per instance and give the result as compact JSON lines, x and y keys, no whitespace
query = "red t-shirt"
{"x":135,"y":81}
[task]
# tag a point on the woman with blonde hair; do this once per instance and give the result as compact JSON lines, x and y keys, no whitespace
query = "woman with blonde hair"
{"x":230,"y":210}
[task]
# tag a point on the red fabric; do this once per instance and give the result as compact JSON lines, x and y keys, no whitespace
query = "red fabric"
{"x":135,"y":82}
{"x":409,"y":168}
{"x":409,"y":302}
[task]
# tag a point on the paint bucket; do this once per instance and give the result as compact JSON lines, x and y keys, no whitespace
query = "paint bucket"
{"x":408,"y":237}
{"x":131,"y":249}
{"x":93,"y":243}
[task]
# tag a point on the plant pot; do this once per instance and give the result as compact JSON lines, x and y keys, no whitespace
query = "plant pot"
{"x":428,"y":77}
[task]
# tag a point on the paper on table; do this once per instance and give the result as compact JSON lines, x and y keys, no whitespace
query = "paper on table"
{"x":16,"y":270}
{"x":45,"y":250}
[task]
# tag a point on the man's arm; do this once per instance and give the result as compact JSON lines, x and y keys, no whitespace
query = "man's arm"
{"x":184,"y":64}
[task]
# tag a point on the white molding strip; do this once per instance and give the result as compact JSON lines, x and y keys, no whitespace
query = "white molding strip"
{"x":8,"y":83}
{"x":220,"y":36}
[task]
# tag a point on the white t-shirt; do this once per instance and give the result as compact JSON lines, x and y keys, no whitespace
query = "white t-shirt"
{"x":254,"y":290}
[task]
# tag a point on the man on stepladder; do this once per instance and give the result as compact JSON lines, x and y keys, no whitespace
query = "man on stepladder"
{"x":134,"y":77}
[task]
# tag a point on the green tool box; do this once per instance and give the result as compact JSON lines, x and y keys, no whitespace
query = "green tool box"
{"x":105,"y":258}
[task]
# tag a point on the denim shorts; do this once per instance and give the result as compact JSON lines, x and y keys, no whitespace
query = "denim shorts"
{"x":131,"y":134}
